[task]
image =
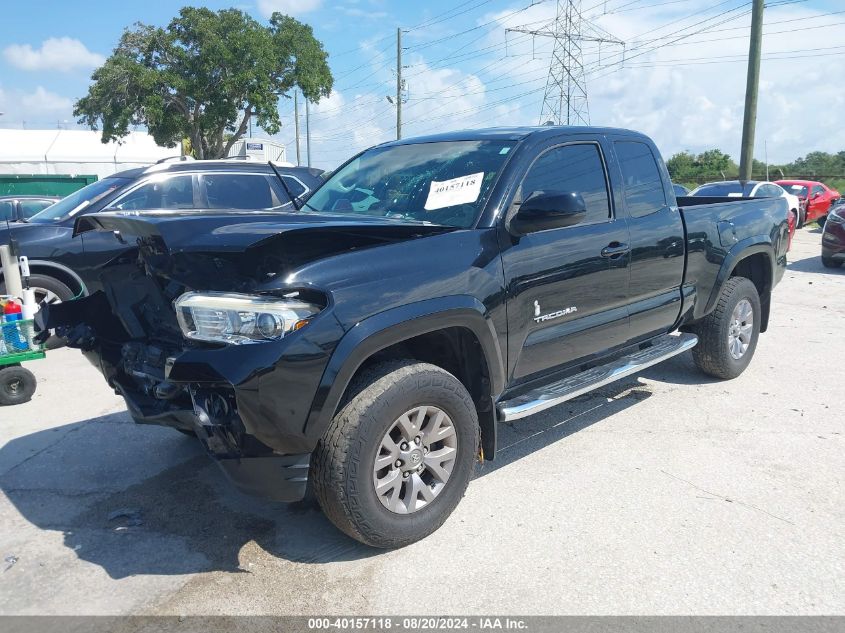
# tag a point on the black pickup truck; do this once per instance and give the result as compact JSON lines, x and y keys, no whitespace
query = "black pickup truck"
{"x":370,"y":341}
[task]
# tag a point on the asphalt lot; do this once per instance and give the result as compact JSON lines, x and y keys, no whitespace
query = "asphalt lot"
{"x":667,"y":493}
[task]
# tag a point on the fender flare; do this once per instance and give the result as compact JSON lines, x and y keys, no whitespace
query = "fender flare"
{"x":393,"y":326}
{"x":741,"y":250}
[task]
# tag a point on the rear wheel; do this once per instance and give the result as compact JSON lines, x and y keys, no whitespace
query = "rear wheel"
{"x":398,"y":456}
{"x":728,"y":335}
{"x":802,"y":217}
{"x":821,"y":221}
{"x":827,"y":262}
{"x":16,"y":385}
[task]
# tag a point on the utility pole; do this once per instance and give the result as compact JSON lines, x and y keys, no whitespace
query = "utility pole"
{"x":398,"y":83}
{"x":296,"y":124}
{"x":749,"y":121}
{"x":565,"y":98}
{"x":307,"y":133}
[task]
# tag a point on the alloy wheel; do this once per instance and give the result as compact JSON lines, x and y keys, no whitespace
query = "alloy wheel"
{"x":415,"y":459}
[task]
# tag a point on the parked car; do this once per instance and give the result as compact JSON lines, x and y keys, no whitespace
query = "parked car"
{"x":63,"y":267}
{"x":679,"y":190}
{"x":753,"y":189}
{"x":816,"y":198}
{"x":833,"y":237}
{"x":431,"y":288}
{"x":17,"y":208}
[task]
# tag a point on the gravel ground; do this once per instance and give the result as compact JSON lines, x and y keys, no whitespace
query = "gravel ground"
{"x":667,"y":493}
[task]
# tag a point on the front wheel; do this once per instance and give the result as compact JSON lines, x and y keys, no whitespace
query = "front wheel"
{"x":821,"y":220}
{"x":827,"y":262}
{"x":802,"y":218}
{"x":398,"y":456}
{"x":727,"y":337}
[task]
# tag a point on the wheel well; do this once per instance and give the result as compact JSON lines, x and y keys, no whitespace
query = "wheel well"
{"x":758,"y":269}
{"x":58,"y":274}
{"x":458,"y":351}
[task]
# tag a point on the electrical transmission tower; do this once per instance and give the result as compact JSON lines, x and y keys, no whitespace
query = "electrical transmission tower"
{"x":565,"y":98}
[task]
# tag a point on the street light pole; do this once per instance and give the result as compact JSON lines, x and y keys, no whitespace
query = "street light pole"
{"x":296,"y":125}
{"x":307,"y":133}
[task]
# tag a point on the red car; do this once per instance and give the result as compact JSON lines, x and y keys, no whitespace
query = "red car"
{"x":816,"y":198}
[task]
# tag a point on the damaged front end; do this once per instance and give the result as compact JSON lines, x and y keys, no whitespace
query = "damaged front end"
{"x":204,"y":335}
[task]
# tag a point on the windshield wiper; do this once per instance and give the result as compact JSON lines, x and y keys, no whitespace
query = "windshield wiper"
{"x":285,"y":185}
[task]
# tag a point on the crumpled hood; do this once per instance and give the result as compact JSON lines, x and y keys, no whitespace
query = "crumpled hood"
{"x":232,"y":232}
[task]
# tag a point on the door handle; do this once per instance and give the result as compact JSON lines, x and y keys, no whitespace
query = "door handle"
{"x":615,"y":249}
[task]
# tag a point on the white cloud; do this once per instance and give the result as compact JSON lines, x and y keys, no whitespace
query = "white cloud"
{"x":42,"y":100}
{"x":39,"y":107}
{"x":288,"y":7}
{"x":56,"y":53}
{"x":355,"y":12}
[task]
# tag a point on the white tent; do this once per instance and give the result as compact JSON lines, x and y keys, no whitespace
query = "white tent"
{"x":75,"y":152}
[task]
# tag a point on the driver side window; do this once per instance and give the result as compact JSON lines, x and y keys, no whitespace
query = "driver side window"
{"x":572,"y":168}
{"x":171,"y":193}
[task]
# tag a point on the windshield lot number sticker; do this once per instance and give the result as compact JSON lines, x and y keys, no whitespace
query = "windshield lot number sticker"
{"x":448,"y":193}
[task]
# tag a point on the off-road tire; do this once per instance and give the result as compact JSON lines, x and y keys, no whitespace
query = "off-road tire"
{"x":712,"y":354}
{"x":827,"y":262}
{"x":17,"y":385}
{"x":342,"y":464}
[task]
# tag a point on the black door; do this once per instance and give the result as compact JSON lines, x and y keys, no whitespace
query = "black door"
{"x":657,"y":241}
{"x":567,"y":287}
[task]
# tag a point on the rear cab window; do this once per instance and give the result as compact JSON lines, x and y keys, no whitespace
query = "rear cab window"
{"x":642,"y":182}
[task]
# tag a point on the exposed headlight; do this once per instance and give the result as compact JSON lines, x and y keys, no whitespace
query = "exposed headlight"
{"x":236,"y":318}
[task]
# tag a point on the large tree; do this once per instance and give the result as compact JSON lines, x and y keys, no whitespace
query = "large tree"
{"x":203,"y":77}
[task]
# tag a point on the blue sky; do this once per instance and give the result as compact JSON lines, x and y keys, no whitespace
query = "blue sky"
{"x":682,"y":81}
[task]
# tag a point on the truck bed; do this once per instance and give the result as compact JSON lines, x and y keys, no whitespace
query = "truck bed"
{"x":719,"y":227}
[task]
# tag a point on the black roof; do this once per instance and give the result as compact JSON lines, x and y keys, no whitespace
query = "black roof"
{"x":216,"y":165}
{"x":512,"y":134}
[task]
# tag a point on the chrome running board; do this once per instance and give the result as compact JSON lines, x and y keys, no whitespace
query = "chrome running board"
{"x":553,"y":394}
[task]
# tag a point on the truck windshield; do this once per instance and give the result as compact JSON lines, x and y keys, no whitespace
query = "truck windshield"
{"x":78,"y":201}
{"x":444,"y":183}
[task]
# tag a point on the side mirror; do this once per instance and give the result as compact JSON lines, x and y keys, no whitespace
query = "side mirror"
{"x":544,"y":210}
